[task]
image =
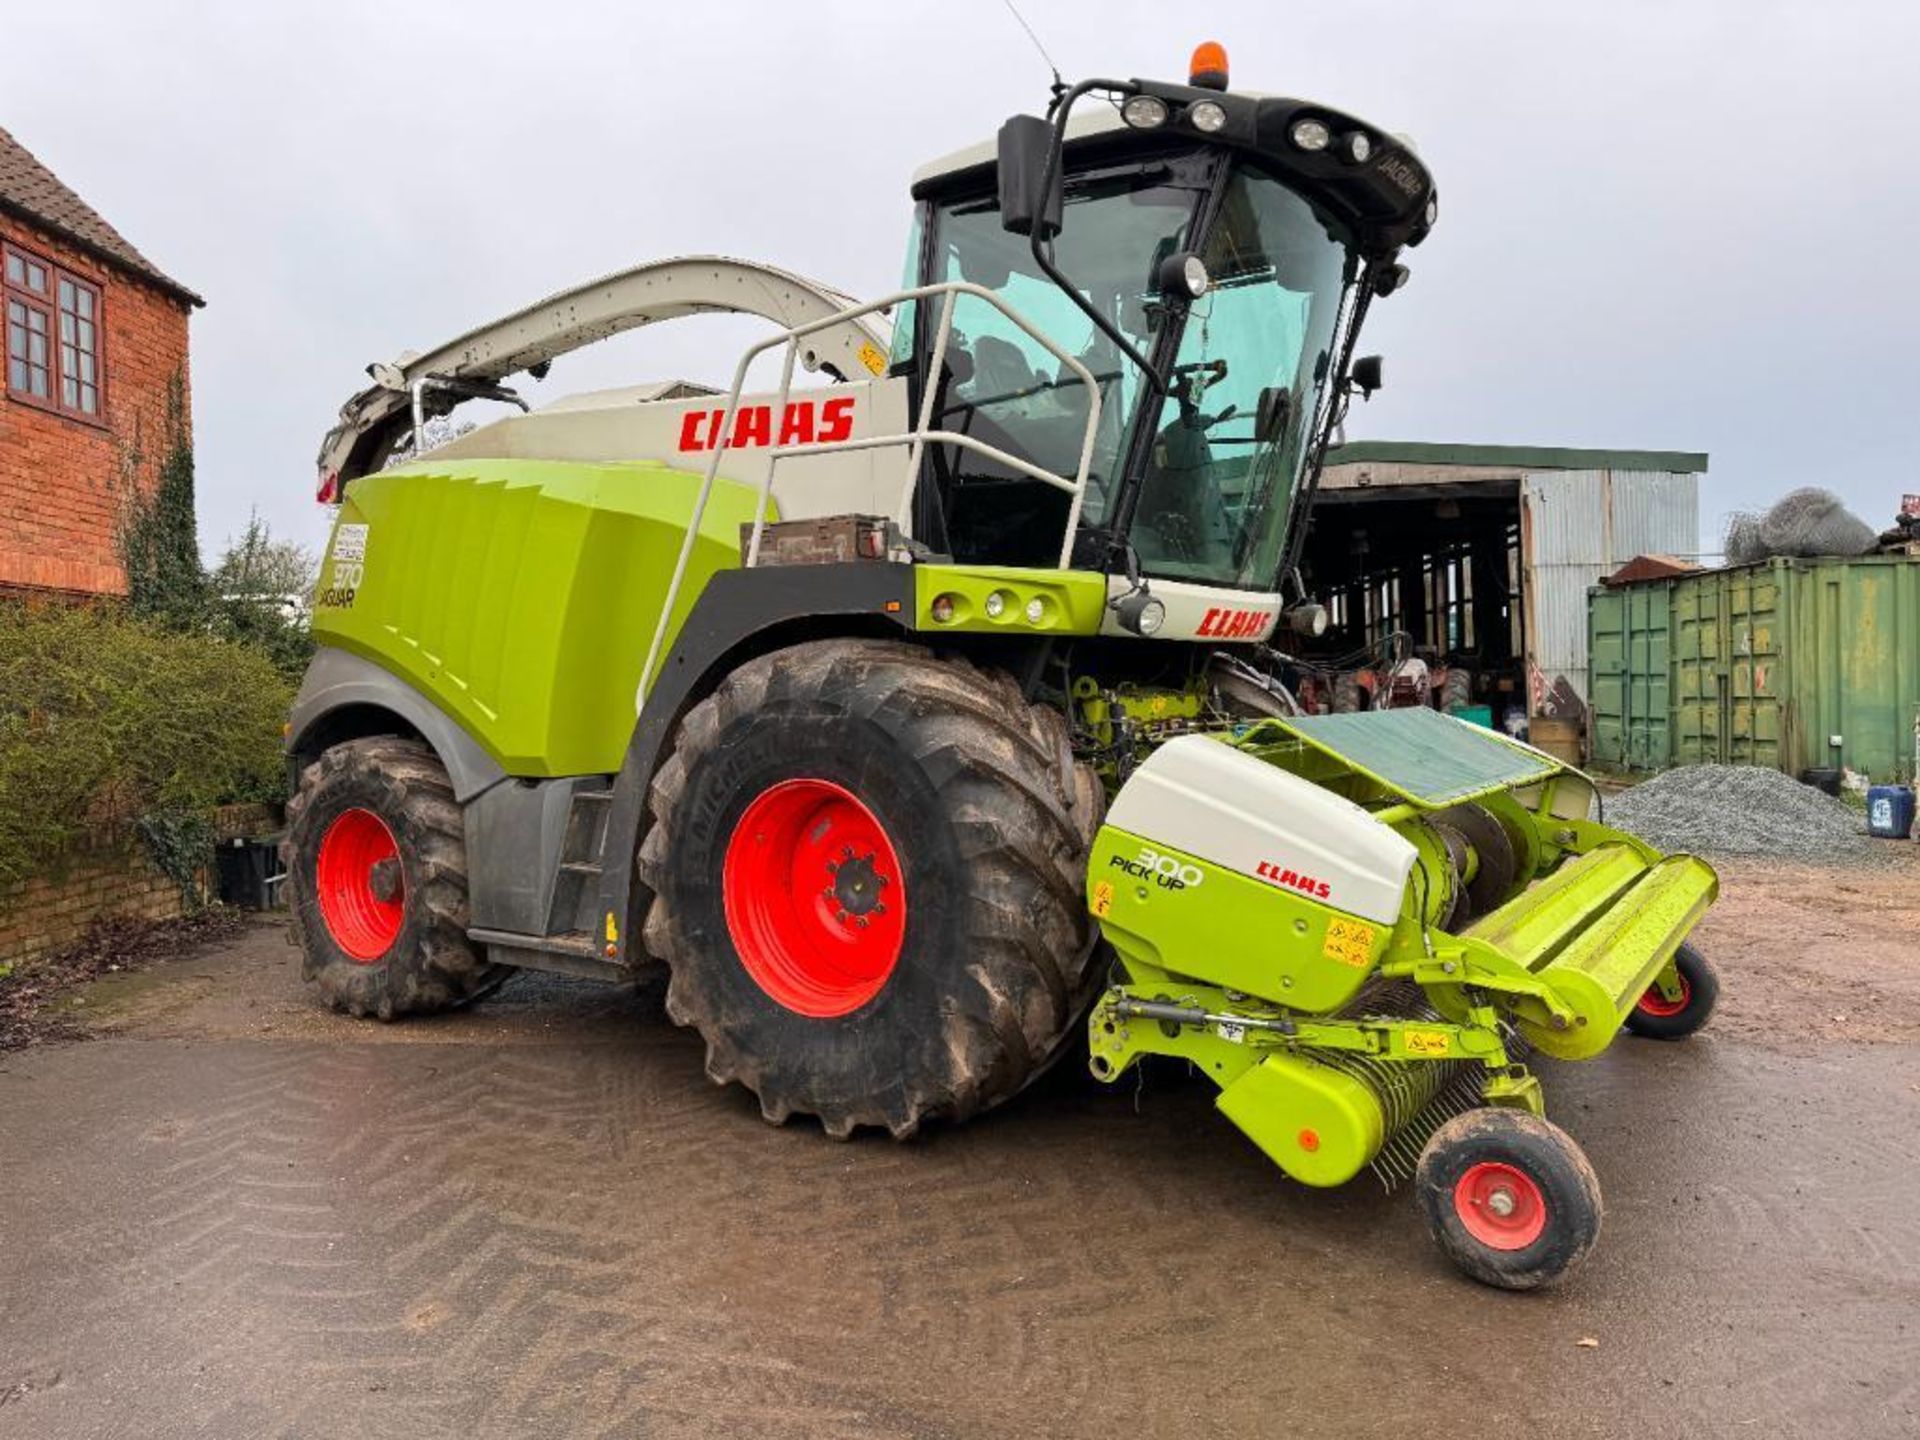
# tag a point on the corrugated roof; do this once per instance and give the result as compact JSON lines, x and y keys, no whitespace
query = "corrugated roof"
{"x":30,"y":190}
{"x":1519,"y":457}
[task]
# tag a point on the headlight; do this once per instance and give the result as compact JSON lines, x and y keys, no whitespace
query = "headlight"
{"x":1145,"y":112}
{"x":1036,"y":610}
{"x":996,"y":605}
{"x":1311,"y":134}
{"x":1182,"y":276}
{"x":1139,"y":612}
{"x":1208,"y":116}
{"x":1358,"y":146}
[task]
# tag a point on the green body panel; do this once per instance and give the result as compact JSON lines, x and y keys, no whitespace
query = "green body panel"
{"x":1072,"y":602}
{"x":1145,"y":916}
{"x":1318,"y":1124}
{"x":1762,"y":665}
{"x":1556,"y":908}
{"x":520,"y":596}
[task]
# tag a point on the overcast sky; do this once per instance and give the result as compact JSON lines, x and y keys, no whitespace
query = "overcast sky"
{"x":1668,"y":226}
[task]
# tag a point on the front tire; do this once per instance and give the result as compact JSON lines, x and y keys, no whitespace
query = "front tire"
{"x":376,"y":862}
{"x":868,"y":868}
{"x":1509,"y":1197}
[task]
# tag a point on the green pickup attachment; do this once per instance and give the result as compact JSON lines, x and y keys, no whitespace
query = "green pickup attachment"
{"x":1359,"y":926}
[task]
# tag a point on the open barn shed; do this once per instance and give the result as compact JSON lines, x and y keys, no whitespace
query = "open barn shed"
{"x":1483,"y":555}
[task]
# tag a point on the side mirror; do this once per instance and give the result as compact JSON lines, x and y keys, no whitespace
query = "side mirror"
{"x":1276,"y":409}
{"x":1026,"y":142}
{"x":1365,"y":375}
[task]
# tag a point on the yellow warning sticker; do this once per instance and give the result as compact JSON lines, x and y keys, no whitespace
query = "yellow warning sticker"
{"x":1102,"y":898}
{"x":1426,"y":1042}
{"x":1350,"y":942}
{"x":613,"y":930}
{"x":871,"y":357}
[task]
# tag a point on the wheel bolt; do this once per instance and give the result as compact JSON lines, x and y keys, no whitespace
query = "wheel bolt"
{"x":1500,"y":1202}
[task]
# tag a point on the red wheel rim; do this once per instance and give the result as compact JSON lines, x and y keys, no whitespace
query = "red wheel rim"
{"x":815,"y":899}
{"x":1500,"y":1206}
{"x":359,"y":883}
{"x":1654,"y":1003}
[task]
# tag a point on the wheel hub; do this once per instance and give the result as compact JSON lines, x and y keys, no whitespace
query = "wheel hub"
{"x":1500,"y":1205}
{"x":1655,"y":1003}
{"x":360,"y":885}
{"x":857,"y":885}
{"x":814,"y":897}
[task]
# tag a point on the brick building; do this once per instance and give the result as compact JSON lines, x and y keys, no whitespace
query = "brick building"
{"x":94,"y":336}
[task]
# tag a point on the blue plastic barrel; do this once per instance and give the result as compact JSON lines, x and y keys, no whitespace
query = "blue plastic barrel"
{"x":1890,"y":811}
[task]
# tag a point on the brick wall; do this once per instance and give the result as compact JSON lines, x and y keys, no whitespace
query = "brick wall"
{"x":59,"y":477}
{"x":44,"y":915}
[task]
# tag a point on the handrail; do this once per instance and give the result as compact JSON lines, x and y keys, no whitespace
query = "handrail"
{"x":915,"y":439}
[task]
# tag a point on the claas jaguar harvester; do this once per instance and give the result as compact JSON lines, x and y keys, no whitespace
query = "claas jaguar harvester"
{"x":912,"y":717}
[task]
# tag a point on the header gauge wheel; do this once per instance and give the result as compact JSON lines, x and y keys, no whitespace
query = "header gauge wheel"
{"x":1509,"y":1197}
{"x":1659,"y":1015}
{"x":867,"y":866}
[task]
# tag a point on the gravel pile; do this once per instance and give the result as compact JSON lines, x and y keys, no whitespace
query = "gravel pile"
{"x":1740,"y":810}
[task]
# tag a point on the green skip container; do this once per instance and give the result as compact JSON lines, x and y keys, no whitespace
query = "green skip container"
{"x":1789,"y":664}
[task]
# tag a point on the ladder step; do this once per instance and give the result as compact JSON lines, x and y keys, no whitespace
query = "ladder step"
{"x":580,"y":867}
{"x":571,"y":942}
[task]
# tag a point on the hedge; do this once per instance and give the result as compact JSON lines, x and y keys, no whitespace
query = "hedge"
{"x":110,"y":723}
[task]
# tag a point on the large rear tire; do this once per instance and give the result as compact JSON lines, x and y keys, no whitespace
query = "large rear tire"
{"x":868,"y":868}
{"x":376,"y":862}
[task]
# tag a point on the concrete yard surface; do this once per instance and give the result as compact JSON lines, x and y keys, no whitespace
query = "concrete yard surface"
{"x":235,"y":1214}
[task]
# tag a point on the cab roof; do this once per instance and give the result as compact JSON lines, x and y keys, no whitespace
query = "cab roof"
{"x":1387,"y":199}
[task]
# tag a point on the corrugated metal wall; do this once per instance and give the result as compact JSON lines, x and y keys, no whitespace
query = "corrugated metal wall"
{"x":1576,"y":526}
{"x":1764,"y":665}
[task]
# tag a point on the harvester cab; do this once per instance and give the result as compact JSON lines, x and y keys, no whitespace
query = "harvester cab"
{"x":905,"y":721}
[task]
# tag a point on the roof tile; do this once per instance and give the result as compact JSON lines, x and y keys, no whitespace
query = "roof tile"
{"x":31,"y":190}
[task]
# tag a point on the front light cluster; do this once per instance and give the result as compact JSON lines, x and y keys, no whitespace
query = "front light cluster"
{"x":1001,"y":606}
{"x":1356,"y":147}
{"x":1150,"y":112}
{"x":1208,"y":116}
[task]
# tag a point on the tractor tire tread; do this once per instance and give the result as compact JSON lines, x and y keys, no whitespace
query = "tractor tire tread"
{"x":408,"y":787}
{"x":1024,"y":818}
